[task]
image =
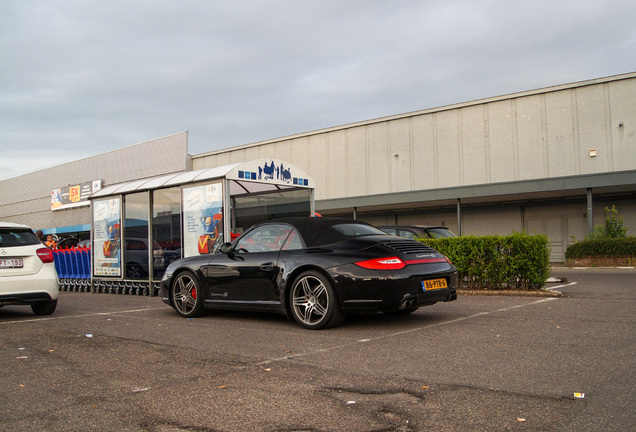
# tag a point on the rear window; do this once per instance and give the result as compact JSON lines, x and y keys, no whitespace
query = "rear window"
{"x":12,"y":237}
{"x":354,"y":230}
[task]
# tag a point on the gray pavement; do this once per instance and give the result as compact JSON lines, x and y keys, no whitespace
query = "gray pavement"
{"x":482,"y":363}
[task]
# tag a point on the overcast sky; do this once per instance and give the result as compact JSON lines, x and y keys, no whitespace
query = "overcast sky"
{"x":79,"y":78}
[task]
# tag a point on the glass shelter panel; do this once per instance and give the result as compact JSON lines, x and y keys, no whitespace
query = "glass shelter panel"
{"x":249,"y":210}
{"x":136,"y":259}
{"x":166,"y":225}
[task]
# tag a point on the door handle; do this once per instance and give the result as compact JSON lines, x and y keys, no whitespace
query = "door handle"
{"x":267,"y":266}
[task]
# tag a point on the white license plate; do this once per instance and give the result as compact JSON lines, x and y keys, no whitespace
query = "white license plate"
{"x":11,"y":263}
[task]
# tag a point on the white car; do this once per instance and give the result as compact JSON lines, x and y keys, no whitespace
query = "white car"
{"x":27,"y":270}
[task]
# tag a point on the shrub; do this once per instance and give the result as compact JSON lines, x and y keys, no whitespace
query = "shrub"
{"x":603,"y":247}
{"x":518,"y":261}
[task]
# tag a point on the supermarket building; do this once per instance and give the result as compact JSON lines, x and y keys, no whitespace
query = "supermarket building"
{"x":547,"y":160}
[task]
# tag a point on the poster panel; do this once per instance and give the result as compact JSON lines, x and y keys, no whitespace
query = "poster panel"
{"x":107,"y":237}
{"x":202,"y":219}
{"x":73,"y":196}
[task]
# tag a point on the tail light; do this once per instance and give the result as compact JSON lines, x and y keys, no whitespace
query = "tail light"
{"x":45,"y":255}
{"x":391,"y":263}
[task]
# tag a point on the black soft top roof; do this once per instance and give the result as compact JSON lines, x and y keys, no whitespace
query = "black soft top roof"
{"x":319,"y":231}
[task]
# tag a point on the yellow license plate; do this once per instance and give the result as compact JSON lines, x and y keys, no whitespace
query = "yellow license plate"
{"x":434,"y":284}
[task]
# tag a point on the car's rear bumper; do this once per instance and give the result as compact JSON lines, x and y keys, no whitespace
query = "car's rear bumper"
{"x":30,"y":289}
{"x":361,"y":290}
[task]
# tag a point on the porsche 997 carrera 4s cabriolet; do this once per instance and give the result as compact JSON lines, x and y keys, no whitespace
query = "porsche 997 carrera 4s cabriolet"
{"x":315,"y":270}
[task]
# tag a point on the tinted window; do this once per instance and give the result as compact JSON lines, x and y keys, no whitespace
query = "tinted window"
{"x":266,"y":238}
{"x":11,"y":237}
{"x":407,"y":234}
{"x":293,"y":241}
{"x":440,"y":233}
{"x":354,"y":230}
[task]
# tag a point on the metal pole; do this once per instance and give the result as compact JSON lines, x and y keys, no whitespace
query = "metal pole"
{"x":226,"y":211}
{"x":459,"y":216}
{"x":355,"y":213}
{"x":590,"y":216}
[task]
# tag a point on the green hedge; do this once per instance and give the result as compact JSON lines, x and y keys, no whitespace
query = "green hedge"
{"x":606,"y":247}
{"x":518,"y":261}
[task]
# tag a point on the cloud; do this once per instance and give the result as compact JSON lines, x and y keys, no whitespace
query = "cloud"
{"x":84,"y":78}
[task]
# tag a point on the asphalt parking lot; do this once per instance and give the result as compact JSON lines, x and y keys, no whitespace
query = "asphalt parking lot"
{"x":482,"y":363}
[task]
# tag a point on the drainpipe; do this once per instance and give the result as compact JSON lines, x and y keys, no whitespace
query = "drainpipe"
{"x":459,"y":216}
{"x":590,"y":218}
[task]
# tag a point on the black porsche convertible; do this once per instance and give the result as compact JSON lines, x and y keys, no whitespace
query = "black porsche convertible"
{"x":314,"y":270}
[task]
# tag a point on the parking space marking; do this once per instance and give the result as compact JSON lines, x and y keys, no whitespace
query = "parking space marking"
{"x":554,"y":288}
{"x":400,"y":333}
{"x":80,"y":316}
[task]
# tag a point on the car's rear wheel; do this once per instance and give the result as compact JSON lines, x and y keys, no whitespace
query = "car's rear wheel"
{"x":44,"y":307}
{"x":187,"y":297}
{"x":314,"y":304}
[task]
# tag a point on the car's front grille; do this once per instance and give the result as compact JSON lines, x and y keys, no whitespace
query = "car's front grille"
{"x":407,"y":246}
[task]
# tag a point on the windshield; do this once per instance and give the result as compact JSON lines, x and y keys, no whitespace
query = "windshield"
{"x":12,"y":237}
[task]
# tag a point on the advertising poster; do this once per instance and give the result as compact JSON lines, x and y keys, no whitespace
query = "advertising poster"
{"x":73,"y":196}
{"x":107,"y":237}
{"x":202,"y":219}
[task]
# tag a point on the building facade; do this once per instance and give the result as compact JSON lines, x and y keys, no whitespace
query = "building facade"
{"x":547,"y":160}
{"x":27,"y":199}
{"x":531,"y":161}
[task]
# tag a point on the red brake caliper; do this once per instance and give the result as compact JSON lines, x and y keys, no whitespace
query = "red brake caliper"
{"x":193,"y":292}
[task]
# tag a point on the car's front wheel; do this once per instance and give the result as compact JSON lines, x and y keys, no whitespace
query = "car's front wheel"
{"x":314,"y":304}
{"x":187,"y":297}
{"x":44,"y":308}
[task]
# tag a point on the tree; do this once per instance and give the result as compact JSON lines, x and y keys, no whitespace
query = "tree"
{"x":613,"y":227}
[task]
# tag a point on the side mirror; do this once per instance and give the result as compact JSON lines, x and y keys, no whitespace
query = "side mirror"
{"x":226,"y":248}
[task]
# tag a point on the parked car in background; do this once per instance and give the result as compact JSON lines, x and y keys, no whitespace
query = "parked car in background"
{"x":418,"y":231}
{"x":314,"y":270}
{"x":136,"y":256}
{"x":27,"y":270}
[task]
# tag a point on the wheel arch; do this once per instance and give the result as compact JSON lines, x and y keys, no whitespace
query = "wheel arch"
{"x":176,"y":274}
{"x":291,"y":277}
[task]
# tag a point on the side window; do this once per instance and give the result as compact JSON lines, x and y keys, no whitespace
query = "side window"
{"x":391,"y":231}
{"x":266,"y":238}
{"x":407,"y":234}
{"x":293,"y":241}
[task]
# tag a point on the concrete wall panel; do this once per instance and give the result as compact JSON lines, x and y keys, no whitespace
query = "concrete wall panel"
{"x":592,"y":121}
{"x":424,"y":153}
{"x":474,"y":152}
{"x":503,"y":151}
{"x":622,"y":96}
{"x":400,"y":156}
{"x":356,"y":162}
{"x":337,"y":169}
{"x":378,"y":146}
{"x":530,"y":138}
{"x":449,"y":163}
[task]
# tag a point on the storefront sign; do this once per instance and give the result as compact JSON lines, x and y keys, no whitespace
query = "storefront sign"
{"x":73,"y":196}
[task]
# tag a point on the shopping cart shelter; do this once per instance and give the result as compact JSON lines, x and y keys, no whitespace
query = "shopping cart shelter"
{"x":140,"y":227}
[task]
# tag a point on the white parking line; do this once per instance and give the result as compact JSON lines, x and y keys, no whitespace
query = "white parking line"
{"x":79,"y":316}
{"x":560,"y":286}
{"x":400,"y":333}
